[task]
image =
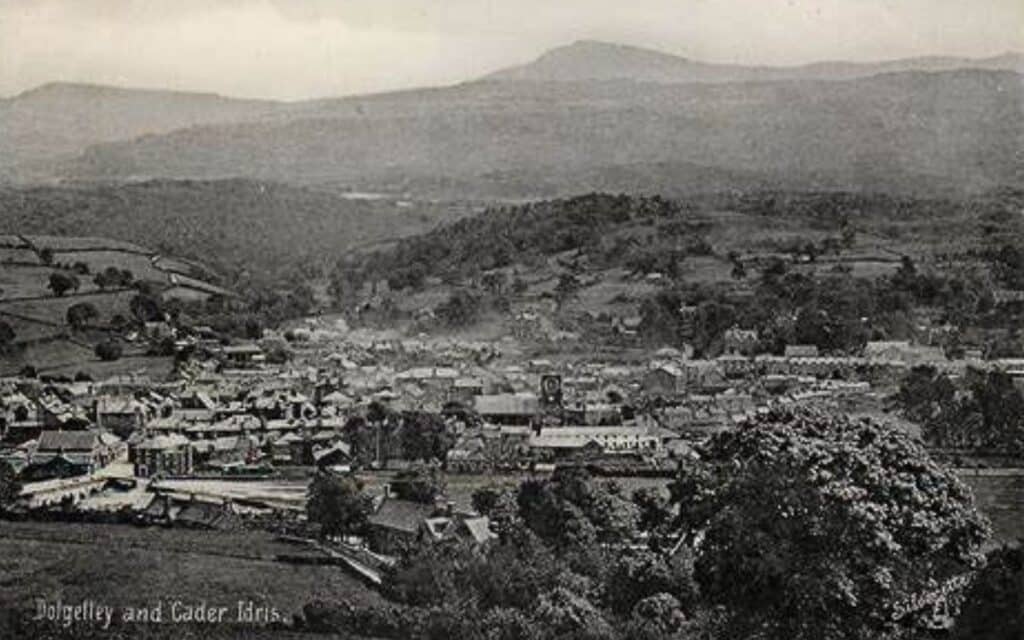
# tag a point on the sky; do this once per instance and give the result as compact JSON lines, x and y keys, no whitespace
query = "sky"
{"x":297,"y":49}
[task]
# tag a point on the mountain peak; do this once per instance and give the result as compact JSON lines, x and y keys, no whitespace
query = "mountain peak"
{"x":599,"y":60}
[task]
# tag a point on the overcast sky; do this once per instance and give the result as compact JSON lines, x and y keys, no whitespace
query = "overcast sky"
{"x":292,"y":49}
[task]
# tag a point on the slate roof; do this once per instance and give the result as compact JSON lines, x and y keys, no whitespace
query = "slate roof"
{"x":507,"y":404}
{"x":401,"y":515}
{"x":68,"y":441}
{"x":479,"y":529}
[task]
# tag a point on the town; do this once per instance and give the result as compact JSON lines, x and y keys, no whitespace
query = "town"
{"x":237,"y":434}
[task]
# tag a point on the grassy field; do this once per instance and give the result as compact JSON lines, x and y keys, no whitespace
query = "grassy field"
{"x":72,"y":243}
{"x":55,"y":309}
{"x":125,"y":566}
{"x":34,"y":313}
{"x":141,"y":266}
{"x":21,"y":281}
{"x":18,"y":255}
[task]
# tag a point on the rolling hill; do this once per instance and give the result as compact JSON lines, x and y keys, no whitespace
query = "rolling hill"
{"x":234,"y":226}
{"x":59,"y":119}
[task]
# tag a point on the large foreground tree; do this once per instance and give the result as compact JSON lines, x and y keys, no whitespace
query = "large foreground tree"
{"x":812,"y":525}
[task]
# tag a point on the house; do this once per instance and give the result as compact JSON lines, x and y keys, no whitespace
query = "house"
{"x":704,"y":376}
{"x":59,"y":415}
{"x":886,"y":350}
{"x":396,"y":524}
{"x":287,"y":449}
{"x":663,"y":380}
{"x":59,"y":466}
{"x":475,"y":530}
{"x":904,"y":352}
{"x":740,"y":342}
{"x":158,"y":330}
{"x":122,"y":415}
{"x":507,"y":408}
{"x":226,"y":449}
{"x":242,"y":355}
{"x":464,"y":389}
{"x":86,"y":451}
{"x":555,"y":442}
{"x":161,"y":509}
{"x":21,"y":420}
{"x":169,"y":455}
{"x":801,"y":351}
{"x":336,"y":399}
{"x":203,"y":514}
{"x":335,"y":456}
{"x":735,"y":366}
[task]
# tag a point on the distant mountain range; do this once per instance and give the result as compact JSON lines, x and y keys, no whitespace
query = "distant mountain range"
{"x":587,"y":116}
{"x":587,"y":60}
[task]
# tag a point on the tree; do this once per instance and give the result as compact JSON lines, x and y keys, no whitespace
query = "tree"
{"x":806,"y":533}
{"x":419,"y":484}
{"x":425,"y":437}
{"x":10,"y":487}
{"x":656,"y":616}
{"x":653,"y":508}
{"x":109,"y":351}
{"x":495,"y":282}
{"x":7,"y":336}
{"x":80,"y":268}
{"x":568,"y":286}
{"x":278,"y":355}
{"x":145,"y":308}
{"x":570,"y":510}
{"x":1001,"y":406}
{"x":79,"y":315}
{"x":118,"y":322}
{"x":485,"y":499}
{"x":460,"y":310}
{"x":61,"y":283}
{"x":635,"y":575}
{"x":46,"y":256}
{"x":338,"y":504}
{"x":113,"y":277}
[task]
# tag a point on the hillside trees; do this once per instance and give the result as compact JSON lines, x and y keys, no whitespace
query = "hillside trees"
{"x":61,"y":282}
{"x":145,"y":307}
{"x":109,"y":351}
{"x":493,"y":239}
{"x":805,"y":533}
{"x":112,"y":277}
{"x":79,"y":315}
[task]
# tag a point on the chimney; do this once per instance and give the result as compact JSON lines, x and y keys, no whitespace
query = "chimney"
{"x":387,"y":490}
